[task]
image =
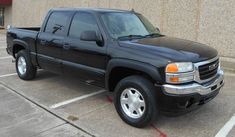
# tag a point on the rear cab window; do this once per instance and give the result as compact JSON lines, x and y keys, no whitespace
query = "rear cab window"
{"x":57,"y":22}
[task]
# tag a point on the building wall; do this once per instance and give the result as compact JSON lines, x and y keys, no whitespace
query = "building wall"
{"x":208,"y":21}
{"x":8,"y":15}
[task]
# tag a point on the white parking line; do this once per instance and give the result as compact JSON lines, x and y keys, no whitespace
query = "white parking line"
{"x":7,"y":57}
{"x":226,"y":128}
{"x":12,"y":74}
{"x":7,"y":75}
{"x":76,"y":99}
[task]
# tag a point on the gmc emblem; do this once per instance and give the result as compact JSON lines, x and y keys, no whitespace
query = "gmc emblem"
{"x":213,"y":66}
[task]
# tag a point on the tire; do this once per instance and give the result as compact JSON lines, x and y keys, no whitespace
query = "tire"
{"x":136,"y":89}
{"x":24,"y":66}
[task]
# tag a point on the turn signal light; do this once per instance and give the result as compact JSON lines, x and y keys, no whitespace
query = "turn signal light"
{"x":174,"y":79}
{"x":172,"y":68}
{"x":179,"y":67}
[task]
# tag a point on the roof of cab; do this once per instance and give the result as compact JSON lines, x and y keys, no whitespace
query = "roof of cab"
{"x":90,"y":9}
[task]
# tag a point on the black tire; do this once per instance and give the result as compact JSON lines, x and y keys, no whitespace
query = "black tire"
{"x":31,"y":70}
{"x":146,"y":89}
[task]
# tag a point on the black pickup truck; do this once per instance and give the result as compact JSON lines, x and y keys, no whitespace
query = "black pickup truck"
{"x":122,"y":51}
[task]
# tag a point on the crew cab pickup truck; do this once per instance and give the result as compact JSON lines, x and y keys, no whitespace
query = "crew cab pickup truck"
{"x":123,"y":52}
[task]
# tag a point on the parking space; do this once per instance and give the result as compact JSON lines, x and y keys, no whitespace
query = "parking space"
{"x":48,"y":88}
{"x":57,"y":105}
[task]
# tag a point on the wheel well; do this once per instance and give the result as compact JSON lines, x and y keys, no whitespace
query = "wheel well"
{"x":17,"y":48}
{"x":119,"y":73}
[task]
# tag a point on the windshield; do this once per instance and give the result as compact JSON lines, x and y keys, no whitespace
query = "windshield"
{"x":122,"y":24}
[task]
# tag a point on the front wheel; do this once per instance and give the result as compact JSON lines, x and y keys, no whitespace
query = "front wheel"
{"x":135,"y":101}
{"x":24,"y":67}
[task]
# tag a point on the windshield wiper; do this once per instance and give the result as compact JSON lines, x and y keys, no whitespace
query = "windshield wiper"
{"x":154,"y":35}
{"x":130,"y":37}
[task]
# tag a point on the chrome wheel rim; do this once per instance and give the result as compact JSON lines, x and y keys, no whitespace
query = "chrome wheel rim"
{"x":21,"y":65}
{"x":132,"y":103}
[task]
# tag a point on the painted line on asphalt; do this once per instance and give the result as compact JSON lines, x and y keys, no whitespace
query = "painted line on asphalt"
{"x":6,"y":57}
{"x":226,"y":128}
{"x":7,"y":75}
{"x":13,"y":74}
{"x":76,"y":99}
{"x":109,"y":99}
{"x":162,"y":134}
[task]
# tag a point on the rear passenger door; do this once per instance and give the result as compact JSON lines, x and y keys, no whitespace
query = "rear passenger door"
{"x":84,"y":58}
{"x":50,"y":41}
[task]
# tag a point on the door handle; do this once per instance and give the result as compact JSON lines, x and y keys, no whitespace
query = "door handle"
{"x":66,"y":46}
{"x":43,"y":42}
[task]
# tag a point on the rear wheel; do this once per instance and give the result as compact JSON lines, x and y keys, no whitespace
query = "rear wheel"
{"x":24,"y":67}
{"x":135,"y":101}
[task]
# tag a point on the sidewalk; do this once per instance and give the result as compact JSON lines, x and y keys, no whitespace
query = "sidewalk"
{"x":21,"y":118}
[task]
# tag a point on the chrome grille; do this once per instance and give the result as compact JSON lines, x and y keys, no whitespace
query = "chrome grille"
{"x":203,"y":71}
{"x":208,"y":70}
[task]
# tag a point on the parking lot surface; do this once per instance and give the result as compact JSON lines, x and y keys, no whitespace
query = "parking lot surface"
{"x":54,"y":105}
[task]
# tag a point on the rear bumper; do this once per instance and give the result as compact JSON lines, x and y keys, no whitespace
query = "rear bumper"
{"x":9,"y":50}
{"x":183,"y":98}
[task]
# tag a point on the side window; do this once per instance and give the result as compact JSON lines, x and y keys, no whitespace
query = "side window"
{"x":82,"y":22}
{"x":57,"y":23}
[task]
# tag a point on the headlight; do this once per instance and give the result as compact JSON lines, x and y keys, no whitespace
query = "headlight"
{"x":181,"y":72}
{"x":179,"y":67}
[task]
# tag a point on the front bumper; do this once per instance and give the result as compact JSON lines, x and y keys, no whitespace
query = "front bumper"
{"x":182,"y":98}
{"x":202,"y":89}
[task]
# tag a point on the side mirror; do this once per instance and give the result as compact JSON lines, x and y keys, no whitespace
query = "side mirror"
{"x":158,"y":29}
{"x":90,"y":36}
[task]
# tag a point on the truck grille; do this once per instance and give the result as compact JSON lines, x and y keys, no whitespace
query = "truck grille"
{"x":208,"y":70}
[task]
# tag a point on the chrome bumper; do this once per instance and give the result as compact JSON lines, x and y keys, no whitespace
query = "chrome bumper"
{"x":202,"y":89}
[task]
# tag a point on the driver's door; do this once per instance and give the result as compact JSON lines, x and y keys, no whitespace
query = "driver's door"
{"x":83,"y":58}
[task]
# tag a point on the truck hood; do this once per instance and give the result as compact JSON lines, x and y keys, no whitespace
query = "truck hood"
{"x":173,"y":49}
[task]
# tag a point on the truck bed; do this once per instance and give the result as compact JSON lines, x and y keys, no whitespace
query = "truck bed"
{"x":23,"y":36}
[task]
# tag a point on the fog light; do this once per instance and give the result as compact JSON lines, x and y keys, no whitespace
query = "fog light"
{"x":174,"y":79}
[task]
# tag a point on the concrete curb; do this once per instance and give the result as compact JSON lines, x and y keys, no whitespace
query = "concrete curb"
{"x":228,"y":64}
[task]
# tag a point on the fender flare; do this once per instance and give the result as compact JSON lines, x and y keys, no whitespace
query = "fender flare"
{"x":20,"y":42}
{"x":148,"y":69}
